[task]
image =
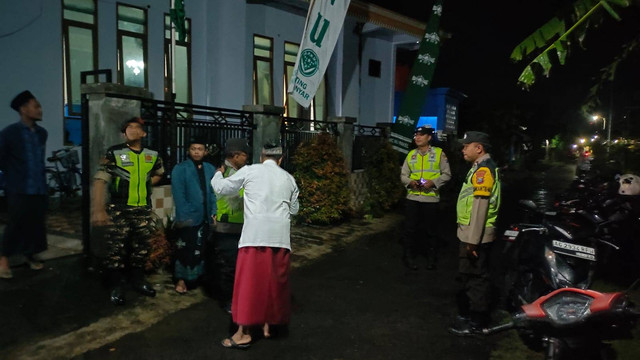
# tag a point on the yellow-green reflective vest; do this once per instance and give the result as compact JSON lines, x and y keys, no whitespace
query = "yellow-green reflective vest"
{"x":226,"y":213}
{"x":133,"y":176}
{"x":469,"y":190}
{"x":424,"y":167}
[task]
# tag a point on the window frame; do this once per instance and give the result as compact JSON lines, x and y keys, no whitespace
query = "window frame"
{"x":167,"y":62}
{"x":303,"y":113}
{"x":145,"y":44}
{"x":269,"y":60}
{"x":67,"y":100}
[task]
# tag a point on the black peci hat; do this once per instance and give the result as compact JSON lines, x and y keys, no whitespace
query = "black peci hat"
{"x":21,"y":99}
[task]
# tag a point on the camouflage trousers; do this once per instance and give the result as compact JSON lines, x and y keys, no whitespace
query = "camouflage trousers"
{"x":128,"y":237}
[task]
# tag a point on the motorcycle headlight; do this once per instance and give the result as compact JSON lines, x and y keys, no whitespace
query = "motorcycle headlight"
{"x":567,"y":308}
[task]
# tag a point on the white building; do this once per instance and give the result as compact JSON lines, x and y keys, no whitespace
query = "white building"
{"x":47,"y":43}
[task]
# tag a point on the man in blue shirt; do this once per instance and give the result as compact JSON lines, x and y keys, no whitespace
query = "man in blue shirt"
{"x":22,"y":153}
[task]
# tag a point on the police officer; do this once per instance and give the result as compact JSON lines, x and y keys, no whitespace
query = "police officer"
{"x":425,"y":170}
{"x":130,"y":170}
{"x":477,"y":212}
{"x":230,"y":218}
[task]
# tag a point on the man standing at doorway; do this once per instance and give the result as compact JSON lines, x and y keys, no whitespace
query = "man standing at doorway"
{"x":22,"y":153}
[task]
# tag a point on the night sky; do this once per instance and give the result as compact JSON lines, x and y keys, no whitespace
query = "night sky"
{"x":475,"y":60}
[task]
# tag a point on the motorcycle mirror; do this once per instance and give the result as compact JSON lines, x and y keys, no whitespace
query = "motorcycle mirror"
{"x":528,"y":204}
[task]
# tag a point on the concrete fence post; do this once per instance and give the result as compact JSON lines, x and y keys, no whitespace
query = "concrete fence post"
{"x":345,"y":138}
{"x":267,"y":119}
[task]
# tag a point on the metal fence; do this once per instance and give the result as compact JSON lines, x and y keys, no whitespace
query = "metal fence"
{"x":366,"y":140}
{"x":295,"y":131}
{"x":169,"y":126}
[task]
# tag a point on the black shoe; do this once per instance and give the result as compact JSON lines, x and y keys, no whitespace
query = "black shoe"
{"x":117,"y":296}
{"x":463,"y":326}
{"x":145,"y":289}
{"x":410,"y":263}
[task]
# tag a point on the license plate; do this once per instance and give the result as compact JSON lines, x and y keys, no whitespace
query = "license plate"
{"x":579,"y":251}
{"x":511,"y":234}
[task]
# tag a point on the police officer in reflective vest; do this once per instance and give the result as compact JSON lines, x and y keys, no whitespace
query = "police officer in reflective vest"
{"x":425,"y":170}
{"x":128,"y":171}
{"x":230,"y":218}
{"x":477,"y":211}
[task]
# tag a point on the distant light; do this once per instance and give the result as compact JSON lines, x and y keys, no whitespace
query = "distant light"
{"x":574,"y":146}
{"x":582,"y":141}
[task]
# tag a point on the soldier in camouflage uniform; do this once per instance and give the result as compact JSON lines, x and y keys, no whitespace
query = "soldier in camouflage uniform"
{"x":128,"y":171}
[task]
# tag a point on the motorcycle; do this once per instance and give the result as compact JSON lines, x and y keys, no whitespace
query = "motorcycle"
{"x":571,"y":323}
{"x":557,"y":251}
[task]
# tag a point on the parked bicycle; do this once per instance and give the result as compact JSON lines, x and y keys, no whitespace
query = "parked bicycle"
{"x":64,"y":177}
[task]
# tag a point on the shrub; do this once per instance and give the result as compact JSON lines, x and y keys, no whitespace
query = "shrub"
{"x":323,"y":182}
{"x":160,"y":248}
{"x":384,"y":188}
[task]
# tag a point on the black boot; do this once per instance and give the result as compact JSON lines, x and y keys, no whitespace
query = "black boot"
{"x":140,"y":285}
{"x":117,"y":296}
{"x":117,"y":287}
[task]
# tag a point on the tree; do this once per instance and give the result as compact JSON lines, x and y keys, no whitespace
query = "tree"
{"x":552,"y":41}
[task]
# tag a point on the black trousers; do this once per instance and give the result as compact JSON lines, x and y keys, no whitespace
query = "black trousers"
{"x":474,"y":282}
{"x":26,"y":231}
{"x":226,"y":247}
{"x":422,"y":223}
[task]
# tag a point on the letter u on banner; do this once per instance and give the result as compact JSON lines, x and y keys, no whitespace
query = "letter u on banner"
{"x":316,"y":47}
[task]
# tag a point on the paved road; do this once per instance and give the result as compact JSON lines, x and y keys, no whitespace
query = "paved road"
{"x":355,"y":303}
{"x":358,"y":303}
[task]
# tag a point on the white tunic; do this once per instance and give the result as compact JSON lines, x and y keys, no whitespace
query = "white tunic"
{"x":270,"y":198}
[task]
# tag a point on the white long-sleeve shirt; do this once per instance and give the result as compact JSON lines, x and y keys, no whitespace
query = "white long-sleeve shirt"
{"x":270,"y":198}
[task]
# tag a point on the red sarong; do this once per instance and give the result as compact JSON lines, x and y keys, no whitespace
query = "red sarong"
{"x":261,"y":290}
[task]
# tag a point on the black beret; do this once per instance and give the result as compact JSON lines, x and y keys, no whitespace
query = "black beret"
{"x":21,"y":99}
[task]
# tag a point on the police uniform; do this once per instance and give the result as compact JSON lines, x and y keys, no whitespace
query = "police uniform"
{"x":477,"y":212}
{"x":422,"y":205}
{"x":230,"y":219}
{"x":128,"y":174}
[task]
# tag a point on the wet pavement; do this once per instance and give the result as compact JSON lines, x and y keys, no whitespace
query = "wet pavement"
{"x":352,"y":300}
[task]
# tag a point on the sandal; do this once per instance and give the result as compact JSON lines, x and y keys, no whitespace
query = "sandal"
{"x":181,"y":287}
{"x":233,"y":345}
{"x":35,"y":264}
{"x":6,"y":273}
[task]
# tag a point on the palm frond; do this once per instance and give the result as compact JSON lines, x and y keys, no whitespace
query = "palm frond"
{"x":555,"y":37}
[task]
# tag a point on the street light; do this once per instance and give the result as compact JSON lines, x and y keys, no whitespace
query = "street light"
{"x":604,"y":121}
{"x":604,"y":125}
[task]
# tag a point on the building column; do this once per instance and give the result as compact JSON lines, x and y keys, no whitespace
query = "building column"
{"x":345,"y":138}
{"x":268,"y":121}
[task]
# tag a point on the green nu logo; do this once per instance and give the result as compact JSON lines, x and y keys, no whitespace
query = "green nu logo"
{"x":309,"y":62}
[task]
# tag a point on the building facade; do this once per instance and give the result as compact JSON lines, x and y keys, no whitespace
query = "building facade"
{"x":235,"y":53}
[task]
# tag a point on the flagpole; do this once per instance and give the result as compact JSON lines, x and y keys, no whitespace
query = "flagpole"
{"x":173,"y":54}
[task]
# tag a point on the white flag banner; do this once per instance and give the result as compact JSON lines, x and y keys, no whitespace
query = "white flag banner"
{"x":321,"y":31}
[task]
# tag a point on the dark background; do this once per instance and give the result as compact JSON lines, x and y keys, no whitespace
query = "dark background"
{"x":475,"y":60}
